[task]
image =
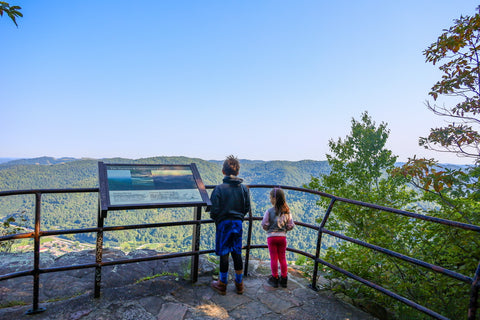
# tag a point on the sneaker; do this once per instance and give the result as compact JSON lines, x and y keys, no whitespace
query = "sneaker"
{"x":239,"y":287}
{"x":283,"y":282}
{"x":273,"y":281}
{"x":220,"y":287}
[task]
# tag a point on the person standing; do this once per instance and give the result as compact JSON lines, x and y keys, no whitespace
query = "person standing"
{"x":277,"y":221}
{"x":230,"y":203}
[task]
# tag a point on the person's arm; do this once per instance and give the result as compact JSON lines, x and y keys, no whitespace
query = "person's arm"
{"x":290,"y":223}
{"x":265,"y":221}
{"x":215,"y":200}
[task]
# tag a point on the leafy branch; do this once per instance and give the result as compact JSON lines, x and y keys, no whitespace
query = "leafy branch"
{"x":12,"y":11}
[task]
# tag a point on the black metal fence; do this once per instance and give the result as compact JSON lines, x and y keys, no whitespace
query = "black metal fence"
{"x":196,"y":222}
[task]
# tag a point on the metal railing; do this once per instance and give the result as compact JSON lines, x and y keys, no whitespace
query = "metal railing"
{"x":197,"y":222}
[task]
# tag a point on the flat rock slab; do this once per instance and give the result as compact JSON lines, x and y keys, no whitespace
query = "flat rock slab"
{"x":168,"y":295}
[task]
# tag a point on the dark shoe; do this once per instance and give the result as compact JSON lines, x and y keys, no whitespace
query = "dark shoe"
{"x":273,"y":281}
{"x":283,"y":282}
{"x":239,"y":287}
{"x":220,"y":287}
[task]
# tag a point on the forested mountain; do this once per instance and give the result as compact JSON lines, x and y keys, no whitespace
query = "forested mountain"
{"x":73,"y":211}
{"x":65,"y":170}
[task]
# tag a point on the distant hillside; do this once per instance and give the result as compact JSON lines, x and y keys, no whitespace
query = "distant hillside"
{"x":48,"y":172}
{"x":37,"y":161}
{"x":72,"y":211}
{"x":3,"y":160}
{"x":76,"y":211}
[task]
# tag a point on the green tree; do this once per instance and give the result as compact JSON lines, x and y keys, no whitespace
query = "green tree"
{"x":453,"y":193}
{"x":458,"y":48}
{"x":360,"y":170}
{"x":456,"y":192}
{"x":11,"y":11}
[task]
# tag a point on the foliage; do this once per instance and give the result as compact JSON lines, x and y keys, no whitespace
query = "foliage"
{"x":12,"y":11}
{"x":8,"y":227}
{"x":361,"y":169}
{"x":458,"y":48}
{"x":454,"y":193}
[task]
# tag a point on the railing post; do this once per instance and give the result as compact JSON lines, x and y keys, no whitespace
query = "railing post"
{"x":472,"y":309}
{"x":249,"y":241}
{"x":319,"y":244}
{"x":36,"y":256}
{"x":99,"y":253}
{"x":197,"y":215}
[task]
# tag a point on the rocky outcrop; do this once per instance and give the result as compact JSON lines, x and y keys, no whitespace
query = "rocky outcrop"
{"x":65,"y":284}
{"x":159,"y":289}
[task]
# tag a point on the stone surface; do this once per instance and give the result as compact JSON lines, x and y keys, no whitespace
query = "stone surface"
{"x":161,"y":290}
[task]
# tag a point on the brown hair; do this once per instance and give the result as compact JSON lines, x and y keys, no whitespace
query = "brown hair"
{"x":231,"y":166}
{"x":281,"y":205}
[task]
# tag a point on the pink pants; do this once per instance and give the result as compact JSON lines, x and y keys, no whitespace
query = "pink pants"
{"x":277,"y":246}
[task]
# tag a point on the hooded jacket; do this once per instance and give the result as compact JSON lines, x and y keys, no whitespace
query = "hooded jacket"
{"x":230,"y":200}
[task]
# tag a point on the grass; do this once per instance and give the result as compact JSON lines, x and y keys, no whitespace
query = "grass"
{"x":163,"y":274}
{"x":13,"y":303}
{"x":216,"y":261}
{"x":65,"y":298}
{"x":46,"y":240}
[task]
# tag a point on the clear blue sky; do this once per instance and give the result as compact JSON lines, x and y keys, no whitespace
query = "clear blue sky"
{"x":264,"y":80}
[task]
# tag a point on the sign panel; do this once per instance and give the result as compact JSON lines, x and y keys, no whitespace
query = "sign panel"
{"x":134,"y":185}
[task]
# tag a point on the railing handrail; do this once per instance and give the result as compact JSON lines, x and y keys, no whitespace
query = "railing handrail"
{"x":34,"y":191}
{"x":37,"y":233}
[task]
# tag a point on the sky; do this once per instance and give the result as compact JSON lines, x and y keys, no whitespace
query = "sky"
{"x":262,"y":80}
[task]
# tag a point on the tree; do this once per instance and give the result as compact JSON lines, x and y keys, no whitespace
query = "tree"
{"x":12,"y":11}
{"x":360,"y":170}
{"x":456,"y":191}
{"x":458,"y":48}
{"x":452,"y":193}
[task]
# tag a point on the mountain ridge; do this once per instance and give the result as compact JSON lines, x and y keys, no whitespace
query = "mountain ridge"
{"x":63,"y":211}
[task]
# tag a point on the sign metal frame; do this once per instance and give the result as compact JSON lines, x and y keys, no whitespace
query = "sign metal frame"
{"x":152,"y":180}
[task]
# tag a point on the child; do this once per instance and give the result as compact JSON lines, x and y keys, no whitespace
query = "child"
{"x":230,"y":204}
{"x":277,"y":221}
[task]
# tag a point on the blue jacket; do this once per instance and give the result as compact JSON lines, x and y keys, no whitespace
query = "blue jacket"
{"x":230,"y":200}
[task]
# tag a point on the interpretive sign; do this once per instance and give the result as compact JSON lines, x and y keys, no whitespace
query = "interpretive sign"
{"x":124,"y":186}
{"x":143,"y":186}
